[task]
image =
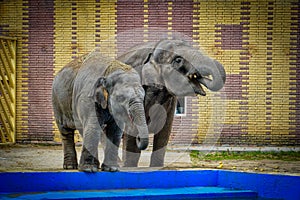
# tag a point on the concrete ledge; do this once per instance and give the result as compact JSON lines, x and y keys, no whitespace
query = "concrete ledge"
{"x":231,"y":148}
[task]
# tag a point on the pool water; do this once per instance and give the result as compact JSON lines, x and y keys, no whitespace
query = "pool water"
{"x":215,"y":193}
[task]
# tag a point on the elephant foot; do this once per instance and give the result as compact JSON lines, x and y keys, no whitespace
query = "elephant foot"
{"x":70,"y":165}
{"x":89,"y":165}
{"x":70,"y":162}
{"x":107,"y":168}
{"x":70,"y":155}
{"x":88,"y":168}
{"x":88,"y":162}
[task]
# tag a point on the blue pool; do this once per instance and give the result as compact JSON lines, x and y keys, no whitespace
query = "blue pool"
{"x":185,"y":184}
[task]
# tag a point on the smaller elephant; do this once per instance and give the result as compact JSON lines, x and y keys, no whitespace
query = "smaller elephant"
{"x":97,"y":96}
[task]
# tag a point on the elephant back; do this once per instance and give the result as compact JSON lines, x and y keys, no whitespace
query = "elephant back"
{"x":116,"y":65}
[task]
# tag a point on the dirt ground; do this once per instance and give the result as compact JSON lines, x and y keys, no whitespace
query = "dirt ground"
{"x":50,"y":158}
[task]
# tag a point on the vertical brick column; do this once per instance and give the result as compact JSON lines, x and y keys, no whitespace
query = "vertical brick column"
{"x":74,"y":30}
{"x":281,"y":66}
{"x":63,"y":34}
{"x":295,"y":73}
{"x":196,"y":21}
{"x":22,"y":78}
{"x":85,"y":33}
{"x":146,"y":21}
{"x":40,"y":71}
{"x":269,"y":63}
{"x":170,"y":19}
{"x":257,"y":82}
{"x":297,"y":108}
{"x":108,"y":20}
{"x":244,"y":72}
{"x":97,"y":24}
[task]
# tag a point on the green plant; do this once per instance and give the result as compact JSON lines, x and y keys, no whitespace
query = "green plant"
{"x":246,"y":155}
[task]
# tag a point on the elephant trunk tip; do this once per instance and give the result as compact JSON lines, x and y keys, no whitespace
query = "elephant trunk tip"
{"x":142,"y":143}
{"x":222,"y":70}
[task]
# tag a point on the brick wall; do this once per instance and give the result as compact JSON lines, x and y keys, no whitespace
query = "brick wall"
{"x":258,"y":42}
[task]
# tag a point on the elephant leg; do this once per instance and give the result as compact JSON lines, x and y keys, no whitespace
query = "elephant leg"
{"x":70,"y":156}
{"x":160,"y":143}
{"x":131,"y":153}
{"x":161,"y":138}
{"x":89,"y":156}
{"x":113,"y":139}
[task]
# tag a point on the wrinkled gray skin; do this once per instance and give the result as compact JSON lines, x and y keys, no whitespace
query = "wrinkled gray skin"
{"x":80,"y":102}
{"x":168,"y":68}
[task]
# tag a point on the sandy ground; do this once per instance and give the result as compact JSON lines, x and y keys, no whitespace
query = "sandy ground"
{"x":50,"y":158}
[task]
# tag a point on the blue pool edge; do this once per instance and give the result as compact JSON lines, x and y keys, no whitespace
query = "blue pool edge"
{"x":266,"y":185}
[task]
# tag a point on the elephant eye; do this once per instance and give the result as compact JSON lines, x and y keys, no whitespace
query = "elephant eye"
{"x":178,"y":60}
{"x":178,"y":64}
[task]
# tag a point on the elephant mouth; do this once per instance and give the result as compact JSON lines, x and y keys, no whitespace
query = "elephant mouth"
{"x":195,"y":81}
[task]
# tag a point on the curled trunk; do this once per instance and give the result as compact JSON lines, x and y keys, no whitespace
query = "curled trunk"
{"x":212,"y":74}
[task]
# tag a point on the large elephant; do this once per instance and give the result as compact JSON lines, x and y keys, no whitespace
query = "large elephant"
{"x":168,"y":68}
{"x":97,"y":95}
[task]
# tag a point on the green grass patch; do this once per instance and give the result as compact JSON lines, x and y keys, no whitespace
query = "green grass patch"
{"x":251,"y":155}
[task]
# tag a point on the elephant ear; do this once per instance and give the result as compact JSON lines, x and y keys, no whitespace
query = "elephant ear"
{"x":151,"y":74}
{"x":99,"y":92}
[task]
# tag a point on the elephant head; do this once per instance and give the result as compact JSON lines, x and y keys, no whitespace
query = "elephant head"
{"x":122,"y":93}
{"x":175,"y":64}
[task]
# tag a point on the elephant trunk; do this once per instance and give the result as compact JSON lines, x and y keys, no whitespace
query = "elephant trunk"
{"x":138,"y":116}
{"x":212,"y":74}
